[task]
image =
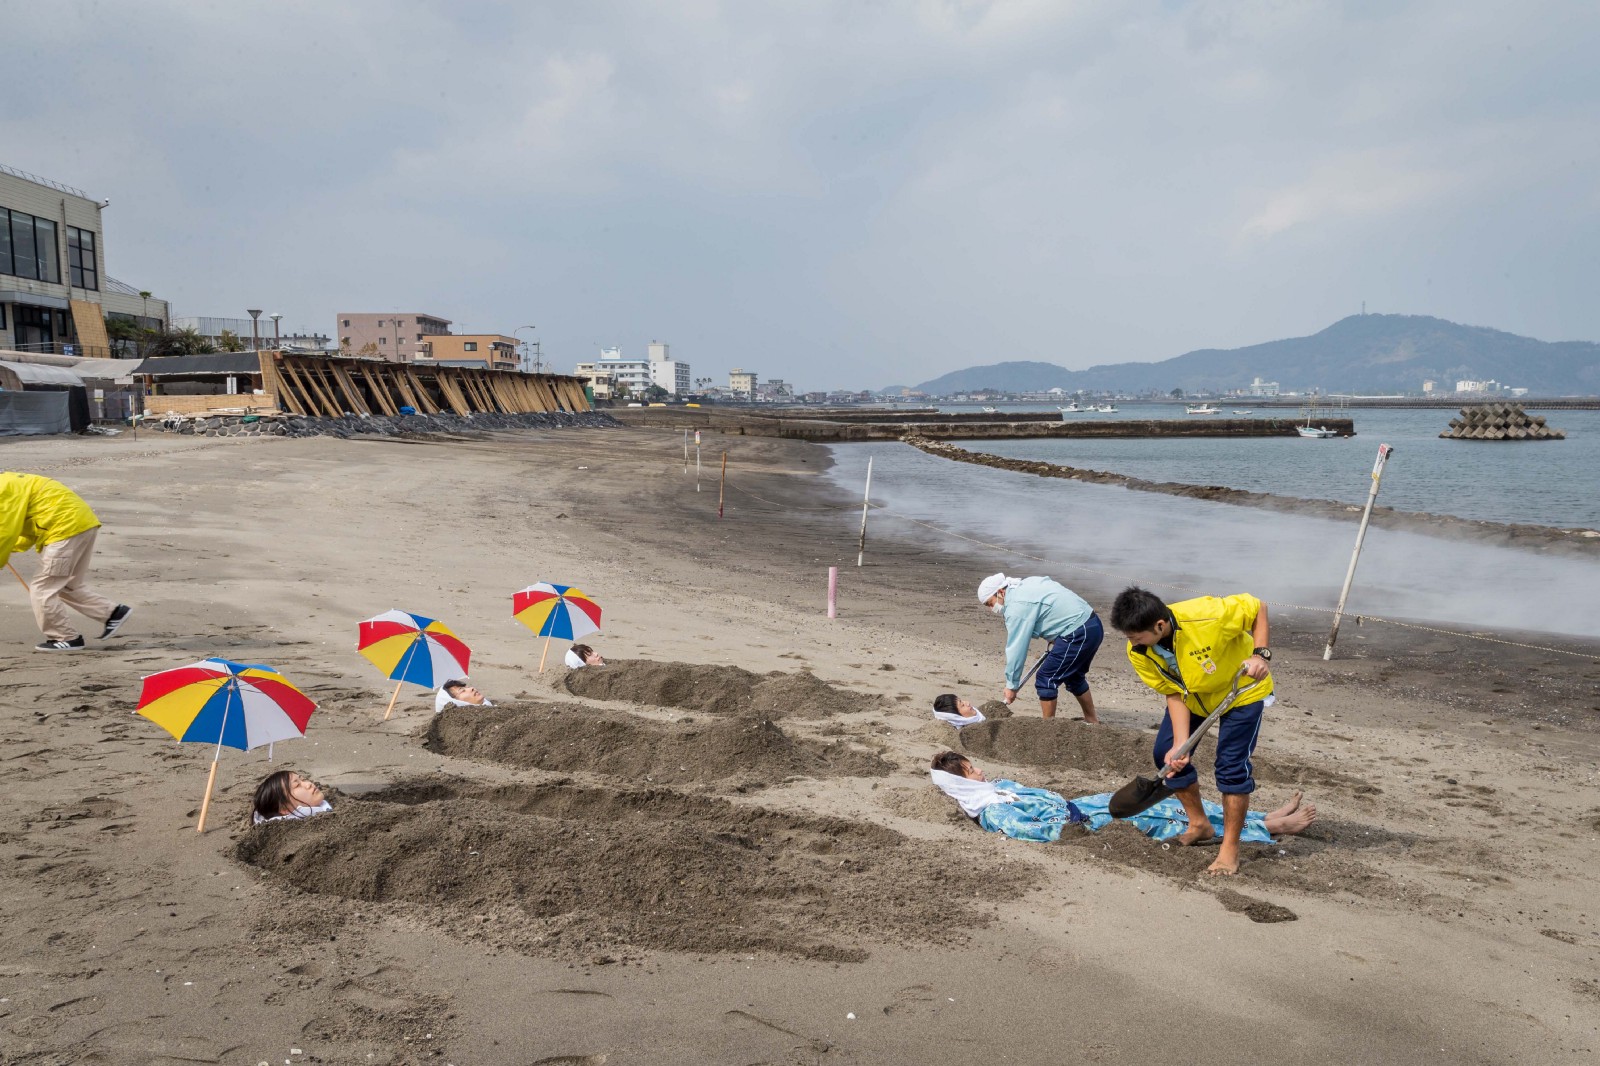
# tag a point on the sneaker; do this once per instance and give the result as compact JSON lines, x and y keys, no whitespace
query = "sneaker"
{"x":118,"y":616}
{"x":60,"y":645}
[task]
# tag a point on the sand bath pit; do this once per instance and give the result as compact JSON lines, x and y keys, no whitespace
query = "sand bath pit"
{"x":716,"y":689}
{"x":745,"y":750}
{"x":559,"y":869}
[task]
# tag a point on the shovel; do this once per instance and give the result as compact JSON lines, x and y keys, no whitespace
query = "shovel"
{"x":1031,"y":670}
{"x":1142,"y":793}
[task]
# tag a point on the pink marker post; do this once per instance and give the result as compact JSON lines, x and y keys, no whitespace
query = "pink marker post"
{"x":833,"y":591}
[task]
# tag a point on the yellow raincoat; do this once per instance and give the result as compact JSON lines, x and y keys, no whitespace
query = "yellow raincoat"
{"x":35,"y":511}
{"x":1212,"y":640}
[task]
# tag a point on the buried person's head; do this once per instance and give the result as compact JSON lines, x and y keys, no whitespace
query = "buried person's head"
{"x":287,"y":794}
{"x":950,"y":708}
{"x":462,"y":693}
{"x":580,"y":655}
{"x":957,"y":765}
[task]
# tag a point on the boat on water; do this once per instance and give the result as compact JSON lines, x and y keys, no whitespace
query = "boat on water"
{"x":1106,"y":408}
{"x":1201,"y":409}
{"x":1073,"y":408}
{"x":990,"y":410}
{"x":1319,"y":432}
{"x":1237,"y":411}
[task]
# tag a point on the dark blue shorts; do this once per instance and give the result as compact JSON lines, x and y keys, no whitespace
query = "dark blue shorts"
{"x":1236,"y":740}
{"x":1068,"y":659}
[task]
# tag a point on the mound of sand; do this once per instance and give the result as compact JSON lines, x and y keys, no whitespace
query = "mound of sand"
{"x":570,"y":738}
{"x":558,"y":869}
{"x":714,"y":689}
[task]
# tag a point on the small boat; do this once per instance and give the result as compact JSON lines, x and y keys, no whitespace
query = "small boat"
{"x":1072,"y":408}
{"x":989,"y":410}
{"x":1201,"y":409}
{"x":1237,"y":411}
{"x":1319,"y":432}
{"x":1106,"y":408}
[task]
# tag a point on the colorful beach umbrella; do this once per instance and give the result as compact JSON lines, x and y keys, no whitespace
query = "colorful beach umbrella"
{"x":218,"y":701}
{"x":556,"y":611}
{"x":409,"y":647}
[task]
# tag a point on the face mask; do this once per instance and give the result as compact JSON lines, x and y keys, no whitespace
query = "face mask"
{"x":999,"y":608}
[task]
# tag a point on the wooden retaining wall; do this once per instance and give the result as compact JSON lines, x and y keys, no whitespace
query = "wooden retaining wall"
{"x":332,"y":385}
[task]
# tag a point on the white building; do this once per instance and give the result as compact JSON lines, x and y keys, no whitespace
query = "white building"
{"x":1427,"y":388}
{"x":742,"y":383}
{"x":630,"y":374}
{"x":1477,"y":386}
{"x":666,"y":372}
{"x":1263,"y":388}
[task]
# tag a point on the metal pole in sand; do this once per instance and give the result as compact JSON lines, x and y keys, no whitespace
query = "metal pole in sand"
{"x":1384,"y":451}
{"x":685,"y":451}
{"x":722,"y":483}
{"x":833,"y":591}
{"x":697,"y":460}
{"x":866,"y":498}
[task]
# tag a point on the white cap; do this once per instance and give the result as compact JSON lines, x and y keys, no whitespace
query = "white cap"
{"x":990,"y":585}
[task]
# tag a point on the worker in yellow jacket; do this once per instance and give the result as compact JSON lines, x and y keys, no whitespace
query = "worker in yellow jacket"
{"x":37,"y":512}
{"x":1190,"y":652}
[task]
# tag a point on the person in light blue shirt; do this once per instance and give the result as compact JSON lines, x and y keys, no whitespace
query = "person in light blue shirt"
{"x":1042,"y":607}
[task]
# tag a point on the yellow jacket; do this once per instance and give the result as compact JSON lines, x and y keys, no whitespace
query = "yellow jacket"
{"x":1212,"y":640}
{"x":35,"y":511}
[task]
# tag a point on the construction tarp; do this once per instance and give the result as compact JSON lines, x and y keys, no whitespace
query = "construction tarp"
{"x":19,"y":375}
{"x":31,"y":413}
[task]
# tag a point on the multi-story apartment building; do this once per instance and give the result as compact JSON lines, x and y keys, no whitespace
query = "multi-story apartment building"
{"x":55,"y":295}
{"x":630,"y":374}
{"x":490,"y":351}
{"x":742,"y":383}
{"x":397,"y":336}
{"x":667,"y":372}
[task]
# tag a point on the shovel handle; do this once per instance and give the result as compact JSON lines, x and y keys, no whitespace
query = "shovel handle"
{"x":1035,"y":667}
{"x":1221,"y":709}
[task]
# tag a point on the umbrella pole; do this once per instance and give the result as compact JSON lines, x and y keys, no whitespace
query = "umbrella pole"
{"x":205,"y":804}
{"x":396,"y":696}
{"x":20,"y":578}
{"x":546,"y":652}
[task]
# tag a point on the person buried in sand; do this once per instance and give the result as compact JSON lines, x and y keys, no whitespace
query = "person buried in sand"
{"x":1189,"y":652}
{"x":1037,"y":814}
{"x":459,"y":693}
{"x":288,"y":796}
{"x":1040,"y":607}
{"x":37,"y":511}
{"x":580,"y":655}
{"x":948,"y":707}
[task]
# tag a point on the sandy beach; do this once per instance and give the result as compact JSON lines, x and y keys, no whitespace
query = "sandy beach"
{"x":723,"y":847}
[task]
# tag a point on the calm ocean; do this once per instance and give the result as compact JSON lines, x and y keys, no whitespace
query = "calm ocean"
{"x":1548,"y":483}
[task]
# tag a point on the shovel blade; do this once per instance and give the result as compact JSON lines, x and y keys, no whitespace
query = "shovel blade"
{"x":1137,"y":796}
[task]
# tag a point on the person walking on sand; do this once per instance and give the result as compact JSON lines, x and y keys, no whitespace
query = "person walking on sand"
{"x":1040,"y":607}
{"x":1190,"y":652}
{"x":37,"y":512}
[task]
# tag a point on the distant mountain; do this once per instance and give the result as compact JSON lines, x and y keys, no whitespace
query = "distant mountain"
{"x":1362,"y":353}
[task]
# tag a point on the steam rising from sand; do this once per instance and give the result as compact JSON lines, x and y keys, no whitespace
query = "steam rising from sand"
{"x":1100,"y":537}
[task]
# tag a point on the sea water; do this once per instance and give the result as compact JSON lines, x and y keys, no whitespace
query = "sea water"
{"x":1547,"y":483}
{"x":1105,"y":537}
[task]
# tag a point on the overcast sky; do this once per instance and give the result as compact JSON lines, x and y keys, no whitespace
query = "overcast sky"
{"x":840,"y":194}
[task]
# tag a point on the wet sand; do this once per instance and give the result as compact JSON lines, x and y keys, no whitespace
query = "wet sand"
{"x":724,"y":848}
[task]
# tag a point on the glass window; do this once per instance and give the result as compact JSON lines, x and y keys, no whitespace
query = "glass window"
{"x":23,"y":262}
{"x":383,"y":340}
{"x":5,"y":242}
{"x":46,"y":248}
{"x":347,"y":323}
{"x":81,"y":261}
{"x":469,"y":346}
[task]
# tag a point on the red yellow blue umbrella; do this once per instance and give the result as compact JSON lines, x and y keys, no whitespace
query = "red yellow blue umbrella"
{"x":229,"y":704}
{"x":555,"y":611}
{"x":409,"y":647}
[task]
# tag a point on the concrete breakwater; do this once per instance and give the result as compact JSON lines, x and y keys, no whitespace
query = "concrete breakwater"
{"x":822,"y":430}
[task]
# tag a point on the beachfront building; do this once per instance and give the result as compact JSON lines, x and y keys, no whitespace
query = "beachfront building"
{"x":666,"y":371}
{"x":742,"y":383}
{"x":486,"y":351}
{"x":397,"y":336}
{"x":55,"y":296}
{"x":627,"y":376}
{"x":1263,"y":388}
{"x":775,"y":390}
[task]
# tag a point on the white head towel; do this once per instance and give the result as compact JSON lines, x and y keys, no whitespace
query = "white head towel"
{"x":994,"y":583}
{"x":972,"y":796}
{"x":574,"y":660}
{"x":296,"y":815}
{"x":958,"y":721}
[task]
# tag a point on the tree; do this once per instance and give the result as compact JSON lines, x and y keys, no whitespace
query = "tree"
{"x":368,"y":348}
{"x":656,"y":393}
{"x":186,"y":341}
{"x":1176,"y":394}
{"x":228,"y":341}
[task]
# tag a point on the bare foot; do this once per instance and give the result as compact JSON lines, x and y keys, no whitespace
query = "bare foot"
{"x":1288,"y":808}
{"x":1092,"y":718}
{"x":1296,"y":822}
{"x":1197,"y":835}
{"x":1227,"y":864}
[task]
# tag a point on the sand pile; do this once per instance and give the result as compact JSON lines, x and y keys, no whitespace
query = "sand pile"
{"x":714,"y":689}
{"x":563,"y":870}
{"x":569,"y":738}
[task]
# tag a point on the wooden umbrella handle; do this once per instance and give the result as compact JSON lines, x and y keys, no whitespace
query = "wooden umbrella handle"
{"x":205,"y":804}
{"x":20,"y":578}
{"x":396,"y":696}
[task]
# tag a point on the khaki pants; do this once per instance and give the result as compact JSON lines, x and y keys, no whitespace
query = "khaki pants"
{"x":59,"y":584}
